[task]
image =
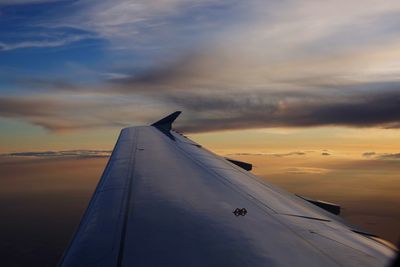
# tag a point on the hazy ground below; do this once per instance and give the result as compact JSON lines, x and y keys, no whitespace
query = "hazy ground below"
{"x":42,"y":200}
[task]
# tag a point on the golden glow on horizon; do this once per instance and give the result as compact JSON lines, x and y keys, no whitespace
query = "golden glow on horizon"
{"x":346,"y":142}
{"x":340,"y":141}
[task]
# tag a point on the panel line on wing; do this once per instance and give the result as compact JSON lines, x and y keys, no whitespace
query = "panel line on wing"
{"x":127,"y":201}
{"x":224,"y":180}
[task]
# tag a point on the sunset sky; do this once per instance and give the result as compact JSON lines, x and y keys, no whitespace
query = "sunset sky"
{"x":304,"y":89}
{"x":72,"y":69}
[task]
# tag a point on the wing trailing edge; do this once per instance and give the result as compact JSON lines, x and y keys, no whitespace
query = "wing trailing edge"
{"x":244,"y":165}
{"x":331,"y":207}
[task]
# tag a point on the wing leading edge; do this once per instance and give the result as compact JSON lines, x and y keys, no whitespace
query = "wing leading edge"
{"x":163,"y":200}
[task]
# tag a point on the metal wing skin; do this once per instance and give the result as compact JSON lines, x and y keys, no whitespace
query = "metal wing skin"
{"x":163,"y":200}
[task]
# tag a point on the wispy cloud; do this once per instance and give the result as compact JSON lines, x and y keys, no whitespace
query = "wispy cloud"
{"x":44,"y":43}
{"x":368,"y":154}
{"x":21,"y":2}
{"x":142,"y":21}
{"x":294,"y":153}
{"x":390,"y":156}
{"x":45,"y":84}
{"x":381,"y":156}
{"x":306,"y":170}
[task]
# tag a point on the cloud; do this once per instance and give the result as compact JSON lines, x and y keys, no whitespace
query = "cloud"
{"x":65,"y":113}
{"x":44,"y":43}
{"x":278,"y":27}
{"x":294,"y":153}
{"x":204,"y":111}
{"x":63,"y":153}
{"x":306,"y":170}
{"x":289,"y":49}
{"x":264,"y":64}
{"x":325,"y":154}
{"x":13,"y":107}
{"x":221,"y":111}
{"x":368,"y":154}
{"x":130,"y":19}
{"x":382,"y":156}
{"x":390,"y":156}
{"x":21,"y":2}
{"x":45,"y":84}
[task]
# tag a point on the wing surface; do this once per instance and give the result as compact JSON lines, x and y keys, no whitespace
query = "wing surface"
{"x":163,"y":200}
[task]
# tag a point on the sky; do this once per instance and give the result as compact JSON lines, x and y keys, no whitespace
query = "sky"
{"x":73,"y":66}
{"x":312,"y":85}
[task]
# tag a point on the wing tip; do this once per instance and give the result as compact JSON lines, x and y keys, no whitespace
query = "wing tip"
{"x":166,"y":122}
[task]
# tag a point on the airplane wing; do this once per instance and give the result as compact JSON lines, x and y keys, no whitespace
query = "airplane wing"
{"x":164,"y":200}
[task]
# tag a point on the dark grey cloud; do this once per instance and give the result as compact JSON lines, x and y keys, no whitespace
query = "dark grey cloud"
{"x":165,"y":76}
{"x":325,"y":154}
{"x":205,"y":110}
{"x":62,"y":153}
{"x":212,"y":103}
{"x":258,"y":110}
{"x":15,"y":107}
{"x":61,"y":114}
